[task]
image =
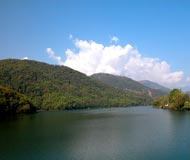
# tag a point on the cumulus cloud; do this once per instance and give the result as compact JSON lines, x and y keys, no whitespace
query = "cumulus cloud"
{"x":114,"y":39}
{"x":91,"y":57}
{"x":126,"y":61}
{"x":53,"y":56}
{"x":25,"y":58}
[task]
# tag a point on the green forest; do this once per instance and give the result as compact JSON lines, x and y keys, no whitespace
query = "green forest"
{"x":53,"y":87}
{"x":12,"y":102}
{"x":176,"y":100}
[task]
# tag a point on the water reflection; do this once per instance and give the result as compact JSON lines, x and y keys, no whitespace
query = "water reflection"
{"x":179,"y":128}
{"x":121,"y":133}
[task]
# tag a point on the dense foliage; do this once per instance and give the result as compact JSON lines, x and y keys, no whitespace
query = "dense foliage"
{"x":53,"y":87}
{"x":128,"y":84}
{"x":176,"y":99}
{"x":14,"y":102}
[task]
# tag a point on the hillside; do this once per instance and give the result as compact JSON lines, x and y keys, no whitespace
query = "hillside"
{"x":153,"y":85}
{"x":53,"y":87}
{"x":14,"y":102}
{"x":127,"y":84}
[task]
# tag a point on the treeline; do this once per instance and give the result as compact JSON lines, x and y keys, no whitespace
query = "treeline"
{"x":12,"y":102}
{"x":52,"y":87}
{"x":176,"y":99}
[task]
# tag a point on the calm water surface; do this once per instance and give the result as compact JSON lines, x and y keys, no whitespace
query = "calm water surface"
{"x":138,"y":133}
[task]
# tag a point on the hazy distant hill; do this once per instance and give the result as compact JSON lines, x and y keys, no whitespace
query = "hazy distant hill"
{"x":60,"y":87}
{"x":185,"y":88}
{"x":127,"y":84}
{"x":154,"y":85}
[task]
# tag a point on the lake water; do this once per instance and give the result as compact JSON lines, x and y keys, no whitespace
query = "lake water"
{"x":134,"y":133}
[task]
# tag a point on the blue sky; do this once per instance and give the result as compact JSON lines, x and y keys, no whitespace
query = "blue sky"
{"x":154,"y":29}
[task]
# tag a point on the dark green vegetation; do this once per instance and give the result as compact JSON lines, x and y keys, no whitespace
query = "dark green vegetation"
{"x":153,"y":85}
{"x":128,"y":84}
{"x":12,"y":102}
{"x":176,"y":99}
{"x":52,"y":87}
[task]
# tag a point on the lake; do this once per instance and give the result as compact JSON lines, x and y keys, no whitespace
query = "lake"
{"x":133,"y":133}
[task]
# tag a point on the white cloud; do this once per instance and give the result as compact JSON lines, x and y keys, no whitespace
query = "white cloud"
{"x":53,"y":56}
{"x":115,"y":59}
{"x":70,"y":36}
{"x":25,"y":58}
{"x":114,"y":39}
{"x":92,"y":57}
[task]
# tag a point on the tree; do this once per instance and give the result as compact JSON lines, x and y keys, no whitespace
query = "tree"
{"x":176,"y":99}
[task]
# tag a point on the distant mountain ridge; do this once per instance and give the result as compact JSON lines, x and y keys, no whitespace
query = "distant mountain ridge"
{"x":53,"y":87}
{"x":128,"y":84}
{"x":154,"y":85}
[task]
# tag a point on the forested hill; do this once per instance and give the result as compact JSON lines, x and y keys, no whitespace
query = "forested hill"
{"x":55,"y":87}
{"x":12,"y":102}
{"x":128,"y":84}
